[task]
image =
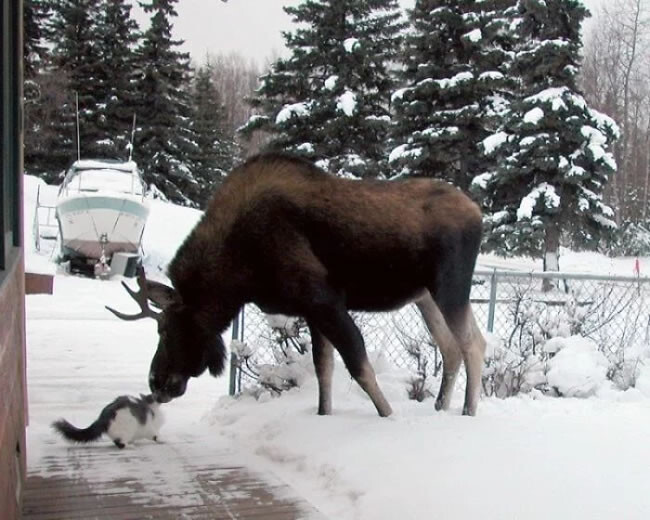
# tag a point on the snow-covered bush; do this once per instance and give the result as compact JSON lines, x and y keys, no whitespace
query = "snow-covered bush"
{"x":511,"y":368}
{"x":578,"y":368}
{"x":540,"y":322}
{"x":517,"y":363}
{"x":420,"y":383}
{"x":289,"y":365}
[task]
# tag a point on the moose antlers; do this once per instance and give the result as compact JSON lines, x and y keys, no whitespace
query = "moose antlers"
{"x":141,"y":297}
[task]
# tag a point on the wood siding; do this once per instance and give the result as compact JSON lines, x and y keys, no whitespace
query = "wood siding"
{"x":12,"y":389}
{"x":12,"y":276}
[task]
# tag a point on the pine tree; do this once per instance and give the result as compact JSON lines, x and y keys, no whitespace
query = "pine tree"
{"x":118,"y":36}
{"x":165,"y":143}
{"x":552,"y":152}
{"x":457,"y":76}
{"x":216,"y":151}
{"x":330,"y":100}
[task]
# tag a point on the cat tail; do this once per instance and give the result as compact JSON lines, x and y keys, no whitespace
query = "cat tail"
{"x":72,"y":433}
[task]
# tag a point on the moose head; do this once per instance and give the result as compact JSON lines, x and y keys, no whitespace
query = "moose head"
{"x":188,"y":344}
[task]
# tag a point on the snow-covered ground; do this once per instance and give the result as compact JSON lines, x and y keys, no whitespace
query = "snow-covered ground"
{"x":530,"y":457}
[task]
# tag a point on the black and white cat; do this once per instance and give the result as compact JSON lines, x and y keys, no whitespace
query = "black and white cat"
{"x":125,"y":420}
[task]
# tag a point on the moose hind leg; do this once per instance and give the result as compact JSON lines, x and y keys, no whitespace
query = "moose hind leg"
{"x":337,"y":326}
{"x":451,"y":353}
{"x":323,"y":354}
{"x":472,"y":346}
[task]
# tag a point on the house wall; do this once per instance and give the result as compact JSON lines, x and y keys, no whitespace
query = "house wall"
{"x":12,"y":278}
{"x":12,"y":389}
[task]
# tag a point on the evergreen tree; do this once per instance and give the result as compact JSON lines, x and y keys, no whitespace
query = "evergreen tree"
{"x":76,"y":58}
{"x":552,"y":153}
{"x":165,"y":143}
{"x":35,"y":14}
{"x":118,"y":36}
{"x":330,"y":100}
{"x":457,"y":76}
{"x":216,"y":151}
{"x":37,"y":87}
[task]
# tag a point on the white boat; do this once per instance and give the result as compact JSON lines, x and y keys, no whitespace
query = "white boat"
{"x":101,"y":209}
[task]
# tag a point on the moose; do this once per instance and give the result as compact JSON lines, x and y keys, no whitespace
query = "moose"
{"x":295,"y":240}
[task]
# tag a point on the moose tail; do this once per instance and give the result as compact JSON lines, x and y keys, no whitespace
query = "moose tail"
{"x":72,"y":433}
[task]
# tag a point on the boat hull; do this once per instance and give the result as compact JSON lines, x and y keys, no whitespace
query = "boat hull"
{"x":94,"y":224}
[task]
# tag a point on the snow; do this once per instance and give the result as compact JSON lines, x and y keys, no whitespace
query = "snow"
{"x":93,"y":164}
{"x":289,"y":111}
{"x":604,"y":121}
{"x":330,"y":83}
{"x":493,"y":142}
{"x":460,"y":78}
{"x":594,"y":136}
{"x":351,"y":44}
{"x":404,"y":151}
{"x":532,"y":457}
{"x":491,"y":75}
{"x":528,"y":203}
{"x":435,"y":133}
{"x":474,"y":36}
{"x":347,"y":103}
{"x":398,"y":95}
{"x":113,"y":180}
{"x":557,"y":97}
{"x":579,"y":369}
{"x":306,"y":148}
{"x":534,"y":116}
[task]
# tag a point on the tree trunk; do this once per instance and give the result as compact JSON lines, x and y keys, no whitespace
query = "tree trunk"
{"x":551,"y":254}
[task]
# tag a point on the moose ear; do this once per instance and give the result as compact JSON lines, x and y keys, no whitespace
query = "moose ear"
{"x":216,"y":357}
{"x":161,"y":295}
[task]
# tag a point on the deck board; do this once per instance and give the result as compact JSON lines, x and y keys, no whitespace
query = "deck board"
{"x":96,"y":483}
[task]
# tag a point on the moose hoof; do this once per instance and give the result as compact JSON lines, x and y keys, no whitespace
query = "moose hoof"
{"x":469,"y":411}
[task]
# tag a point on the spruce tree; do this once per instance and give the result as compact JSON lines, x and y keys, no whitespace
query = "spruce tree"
{"x":115,"y":87}
{"x":457,"y":80}
{"x":330,"y":100}
{"x":165,"y":143}
{"x":216,"y":151}
{"x":35,"y":14}
{"x":77,"y":60}
{"x":37,"y":89}
{"x":552,"y":154}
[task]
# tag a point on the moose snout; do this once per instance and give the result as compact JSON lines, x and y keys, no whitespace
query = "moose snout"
{"x":167,"y":388}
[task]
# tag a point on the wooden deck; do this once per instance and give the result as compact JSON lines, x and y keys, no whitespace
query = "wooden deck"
{"x":193,"y":473}
{"x":154,"y":481}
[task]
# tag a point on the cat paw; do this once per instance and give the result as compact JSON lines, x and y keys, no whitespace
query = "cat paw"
{"x":119,"y":444}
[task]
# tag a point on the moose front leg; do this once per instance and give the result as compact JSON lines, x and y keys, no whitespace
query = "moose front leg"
{"x":336,"y":325}
{"x":323,"y":354}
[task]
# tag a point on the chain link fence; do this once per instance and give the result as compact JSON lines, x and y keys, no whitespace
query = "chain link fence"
{"x":519,"y":311}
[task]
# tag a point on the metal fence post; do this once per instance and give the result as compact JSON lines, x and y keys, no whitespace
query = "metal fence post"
{"x":493,"y":301}
{"x":234,"y":376}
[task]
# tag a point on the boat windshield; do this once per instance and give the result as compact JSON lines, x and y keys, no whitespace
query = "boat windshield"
{"x":88,"y":176}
